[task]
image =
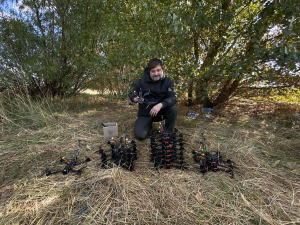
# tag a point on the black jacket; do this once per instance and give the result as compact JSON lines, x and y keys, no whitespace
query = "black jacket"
{"x":161,"y":91}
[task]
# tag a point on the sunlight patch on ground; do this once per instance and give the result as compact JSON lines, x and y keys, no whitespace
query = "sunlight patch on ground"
{"x":91,"y":92}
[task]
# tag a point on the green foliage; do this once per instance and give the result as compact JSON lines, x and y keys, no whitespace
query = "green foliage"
{"x":210,"y":48}
{"x":52,"y":47}
{"x":288,"y":95}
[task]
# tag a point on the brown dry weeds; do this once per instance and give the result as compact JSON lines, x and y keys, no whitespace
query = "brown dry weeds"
{"x":264,"y":190}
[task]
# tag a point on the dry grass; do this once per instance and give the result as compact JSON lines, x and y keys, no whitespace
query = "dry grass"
{"x":264,"y":190}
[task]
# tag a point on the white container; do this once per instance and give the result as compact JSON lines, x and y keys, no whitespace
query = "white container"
{"x":110,"y":130}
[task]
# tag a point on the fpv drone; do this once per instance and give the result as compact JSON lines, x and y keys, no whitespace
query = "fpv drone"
{"x":142,"y":98}
{"x":211,"y":162}
{"x":70,"y":164}
{"x":122,"y":153}
{"x":167,"y":148}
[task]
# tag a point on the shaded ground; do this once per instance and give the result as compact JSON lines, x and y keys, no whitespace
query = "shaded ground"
{"x":262,"y":138}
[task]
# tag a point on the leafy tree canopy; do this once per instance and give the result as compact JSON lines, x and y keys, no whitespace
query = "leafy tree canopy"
{"x":212,"y":49}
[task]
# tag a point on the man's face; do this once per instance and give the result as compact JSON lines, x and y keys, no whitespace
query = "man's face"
{"x":156,"y":73}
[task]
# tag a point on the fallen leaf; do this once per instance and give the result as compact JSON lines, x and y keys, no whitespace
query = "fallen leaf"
{"x":255,"y":197}
{"x":198,"y":196}
{"x":294,"y":171}
{"x":146,"y":178}
{"x":68,"y":183}
{"x":217,"y":202}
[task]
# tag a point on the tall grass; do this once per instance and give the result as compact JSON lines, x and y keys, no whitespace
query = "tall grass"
{"x":21,"y":110}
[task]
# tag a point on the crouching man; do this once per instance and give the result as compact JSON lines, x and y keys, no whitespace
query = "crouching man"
{"x":159,"y":98}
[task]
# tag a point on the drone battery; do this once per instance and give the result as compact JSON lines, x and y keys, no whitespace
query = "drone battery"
{"x":110,"y":130}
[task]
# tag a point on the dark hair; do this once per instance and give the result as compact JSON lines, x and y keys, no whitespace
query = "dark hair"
{"x":154,"y":63}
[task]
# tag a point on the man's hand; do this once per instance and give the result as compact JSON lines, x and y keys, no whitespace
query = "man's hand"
{"x":156,"y":109}
{"x":136,"y":99}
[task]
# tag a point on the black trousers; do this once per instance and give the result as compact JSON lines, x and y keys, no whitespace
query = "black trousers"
{"x":143,"y":124}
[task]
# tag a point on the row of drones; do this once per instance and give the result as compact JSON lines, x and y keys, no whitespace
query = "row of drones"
{"x":167,"y":151}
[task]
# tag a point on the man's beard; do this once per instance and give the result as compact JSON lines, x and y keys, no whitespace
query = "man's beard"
{"x":157,"y":78}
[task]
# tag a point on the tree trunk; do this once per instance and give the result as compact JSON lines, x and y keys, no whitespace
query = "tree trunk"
{"x":201,"y":91}
{"x":226,"y":92}
{"x":196,"y":58}
{"x":190,"y":93}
